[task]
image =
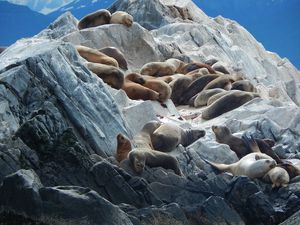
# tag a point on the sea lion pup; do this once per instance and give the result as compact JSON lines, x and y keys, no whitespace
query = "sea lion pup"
{"x":220,"y":82}
{"x":160,"y":87}
{"x":253,"y":165}
{"x":278,"y":176}
{"x":121,"y":17}
{"x":139,"y":157}
{"x":195,"y":65}
{"x":123,"y":147}
{"x":117,"y":55}
{"x":195,"y":87}
{"x":109,"y":74}
{"x":143,"y":138}
{"x":168,"y":136}
{"x":202,"y":98}
{"x":158,"y":69}
{"x":243,"y":85}
{"x":179,"y":87}
{"x":227,"y":103}
{"x":236,"y":144}
{"x":93,"y":55}
{"x":94,"y":19}
{"x":133,"y":86}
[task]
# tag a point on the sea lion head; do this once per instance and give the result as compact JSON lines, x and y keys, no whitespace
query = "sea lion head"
{"x":221,"y":131}
{"x":138,"y":161}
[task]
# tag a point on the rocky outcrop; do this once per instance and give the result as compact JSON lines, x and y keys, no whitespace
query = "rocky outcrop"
{"x":59,"y":124}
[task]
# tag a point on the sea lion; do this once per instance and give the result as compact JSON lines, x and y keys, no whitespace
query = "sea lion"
{"x":278,"y":176}
{"x":133,"y":86}
{"x":158,"y":69}
{"x":220,"y":68}
{"x":239,"y":146}
{"x":195,"y":65}
{"x":195,"y":87}
{"x":117,"y":55}
{"x":236,"y":144}
{"x":291,"y":169}
{"x":93,"y":55}
{"x":143,"y":138}
{"x":211,"y":61}
{"x":243,"y":85}
{"x":140,"y":157}
{"x":220,"y":82}
{"x":253,"y":165}
{"x":168,"y":136}
{"x":109,"y":74}
{"x":227,"y":103}
{"x":202,"y":98}
{"x":160,"y":87}
{"x":121,"y":17}
{"x":179,"y":87}
{"x":177,"y":63}
{"x":94,"y":19}
{"x":123,"y":147}
{"x":215,"y":97}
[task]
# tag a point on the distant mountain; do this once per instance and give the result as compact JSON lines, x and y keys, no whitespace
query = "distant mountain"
{"x":44,"y":7}
{"x":80,"y":8}
{"x":274,"y":23}
{"x":19,"y":21}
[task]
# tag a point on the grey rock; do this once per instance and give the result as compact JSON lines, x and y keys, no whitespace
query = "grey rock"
{"x":292,"y":220}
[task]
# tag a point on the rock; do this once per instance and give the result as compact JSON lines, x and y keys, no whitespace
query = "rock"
{"x":292,"y":220}
{"x":213,"y":211}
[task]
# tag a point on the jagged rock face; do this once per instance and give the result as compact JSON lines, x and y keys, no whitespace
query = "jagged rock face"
{"x":60,"y":121}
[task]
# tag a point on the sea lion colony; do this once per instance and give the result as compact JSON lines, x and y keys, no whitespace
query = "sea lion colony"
{"x":197,"y":84}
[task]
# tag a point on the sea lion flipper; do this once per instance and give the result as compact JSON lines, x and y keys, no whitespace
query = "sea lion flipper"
{"x":250,"y":142}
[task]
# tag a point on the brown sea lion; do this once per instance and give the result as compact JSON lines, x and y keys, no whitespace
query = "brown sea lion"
{"x":94,"y":19}
{"x":211,"y":61}
{"x":109,"y":74}
{"x":179,"y":87}
{"x":195,"y":87}
{"x":243,"y":85}
{"x":278,"y":176}
{"x":121,"y":17}
{"x":292,"y":170}
{"x":158,"y":69}
{"x":123,"y":147}
{"x":140,"y":157}
{"x":227,"y":103}
{"x":195,"y":65}
{"x":117,"y":55}
{"x":143,"y":138}
{"x":202,"y":98}
{"x":160,"y":87}
{"x":215,"y":97}
{"x":253,"y":165}
{"x":220,"y":68}
{"x":220,"y":82}
{"x":177,"y":63}
{"x":93,"y":55}
{"x":168,"y":136}
{"x":133,"y":86}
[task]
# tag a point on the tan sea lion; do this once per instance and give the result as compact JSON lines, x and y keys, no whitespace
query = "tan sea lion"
{"x":158,"y":69}
{"x":123,"y":147}
{"x":94,"y":19}
{"x":278,"y":176}
{"x":292,"y":169}
{"x":121,"y":17}
{"x":243,"y":85}
{"x":140,"y":157}
{"x":253,"y":165}
{"x":177,"y":63}
{"x":220,"y":82}
{"x":133,"y":86}
{"x":143,"y":138}
{"x":202,"y":98}
{"x":109,"y":74}
{"x":160,"y":87}
{"x":195,"y":87}
{"x":93,"y":55}
{"x":168,"y":136}
{"x":215,"y":97}
{"x":117,"y":55}
{"x":227,"y":103}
